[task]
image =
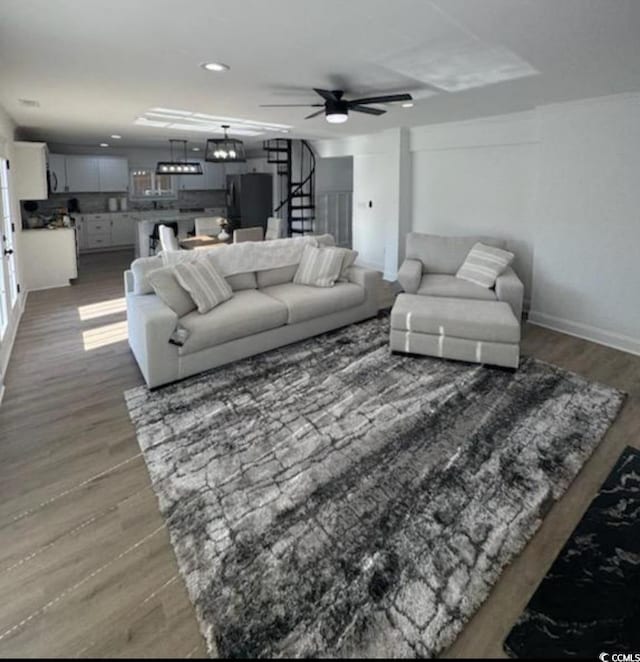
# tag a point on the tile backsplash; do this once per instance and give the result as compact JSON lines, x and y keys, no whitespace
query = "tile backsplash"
{"x":90,"y":203}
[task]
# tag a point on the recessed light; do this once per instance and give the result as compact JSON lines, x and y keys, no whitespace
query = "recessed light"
{"x":195,"y":149}
{"x":407,"y":105}
{"x":115,"y":136}
{"x":104,"y":144}
{"x":216,"y":66}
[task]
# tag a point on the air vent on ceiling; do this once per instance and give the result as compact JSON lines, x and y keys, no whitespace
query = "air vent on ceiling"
{"x":29,"y":103}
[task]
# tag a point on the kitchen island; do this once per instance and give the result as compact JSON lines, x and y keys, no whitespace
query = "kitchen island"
{"x":48,"y":258}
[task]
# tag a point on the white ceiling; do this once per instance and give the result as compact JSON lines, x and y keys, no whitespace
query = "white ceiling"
{"x":94,"y":66}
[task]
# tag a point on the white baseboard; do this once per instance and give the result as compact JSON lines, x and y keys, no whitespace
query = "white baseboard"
{"x":586,"y":332}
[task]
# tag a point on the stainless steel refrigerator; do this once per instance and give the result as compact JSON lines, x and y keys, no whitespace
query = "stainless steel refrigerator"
{"x":249,"y":199}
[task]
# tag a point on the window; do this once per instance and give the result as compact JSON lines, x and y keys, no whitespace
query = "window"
{"x":8,"y":278}
{"x":145,"y":185}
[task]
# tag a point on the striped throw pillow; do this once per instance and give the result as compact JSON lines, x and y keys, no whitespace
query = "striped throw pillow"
{"x":319,"y":267}
{"x":207,"y":287}
{"x":484,"y":264}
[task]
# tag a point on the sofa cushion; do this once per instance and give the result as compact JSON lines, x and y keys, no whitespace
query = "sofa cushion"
{"x":276,"y":276}
{"x":166,"y":286}
{"x":484,"y":264}
{"x":491,"y":321}
{"x":319,"y":267}
{"x":141,"y":268}
{"x":443,"y":285}
{"x":244,"y":281}
{"x":204,"y":282}
{"x":443,"y":255}
{"x":248,"y":312}
{"x":305,"y":302}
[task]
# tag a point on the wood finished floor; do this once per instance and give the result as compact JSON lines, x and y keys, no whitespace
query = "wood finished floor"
{"x":86,"y":567}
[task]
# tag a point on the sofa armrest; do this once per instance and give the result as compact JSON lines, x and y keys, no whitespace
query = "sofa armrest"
{"x":410,"y":275}
{"x":509,"y":288}
{"x":128,"y":281}
{"x":370,"y":281}
{"x":151,"y":324}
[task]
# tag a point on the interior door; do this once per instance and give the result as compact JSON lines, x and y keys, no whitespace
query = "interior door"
{"x":8,"y":272}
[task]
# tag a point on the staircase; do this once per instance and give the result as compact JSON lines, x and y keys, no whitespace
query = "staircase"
{"x":296,"y":167}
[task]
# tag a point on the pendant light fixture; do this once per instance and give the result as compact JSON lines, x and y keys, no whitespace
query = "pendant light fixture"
{"x":177,"y":166}
{"x":225,"y":150}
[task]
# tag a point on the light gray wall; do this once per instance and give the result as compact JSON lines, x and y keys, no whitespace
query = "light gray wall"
{"x":478,"y":178}
{"x":334,"y":174}
{"x":587,"y":230}
{"x":560,"y":183}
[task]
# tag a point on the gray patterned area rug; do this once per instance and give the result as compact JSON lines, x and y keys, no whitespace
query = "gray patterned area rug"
{"x":331,"y":499}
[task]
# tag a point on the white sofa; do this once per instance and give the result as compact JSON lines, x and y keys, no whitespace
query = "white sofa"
{"x":267,"y":310}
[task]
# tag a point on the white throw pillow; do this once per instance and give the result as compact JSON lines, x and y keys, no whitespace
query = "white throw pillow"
{"x":207,"y":287}
{"x":319,"y":267}
{"x":166,"y":286}
{"x":484,"y":264}
{"x":349,"y":257}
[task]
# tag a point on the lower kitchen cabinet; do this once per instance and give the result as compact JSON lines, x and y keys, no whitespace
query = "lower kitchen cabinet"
{"x":106,"y":231}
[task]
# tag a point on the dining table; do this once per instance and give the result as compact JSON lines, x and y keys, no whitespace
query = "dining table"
{"x":201,"y":241}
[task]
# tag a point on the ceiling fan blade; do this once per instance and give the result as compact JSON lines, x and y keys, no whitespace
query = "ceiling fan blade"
{"x":382,"y":99}
{"x":369,"y":111}
{"x":328,"y":95}
{"x":291,"y":105}
{"x":319,"y":112}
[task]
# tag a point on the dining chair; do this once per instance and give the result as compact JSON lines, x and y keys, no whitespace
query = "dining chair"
{"x":274,"y":228}
{"x":248,"y":234}
{"x":154,"y":237}
{"x":209,"y":225}
{"x":168,"y":239}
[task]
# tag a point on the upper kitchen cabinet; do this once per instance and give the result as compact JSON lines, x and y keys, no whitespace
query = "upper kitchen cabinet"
{"x":213,"y":178}
{"x":29,"y":170}
{"x":83,"y":174}
{"x":58,"y":173}
{"x":192,"y":182}
{"x":235,"y":168}
{"x":114,"y":173}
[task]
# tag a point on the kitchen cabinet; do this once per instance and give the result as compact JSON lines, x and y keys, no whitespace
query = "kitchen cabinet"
{"x":235,"y":168}
{"x":114,"y":173}
{"x":106,"y":231}
{"x":215,"y":176}
{"x":192,"y":182}
{"x":83,"y":174}
{"x":29,"y":170}
{"x":58,"y":173}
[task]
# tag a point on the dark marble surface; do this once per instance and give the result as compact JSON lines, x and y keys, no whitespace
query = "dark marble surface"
{"x":589,"y":601}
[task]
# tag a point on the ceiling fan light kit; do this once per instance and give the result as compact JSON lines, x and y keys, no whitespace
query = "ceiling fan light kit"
{"x":225,"y":150}
{"x":177,"y":166}
{"x":336,"y":109}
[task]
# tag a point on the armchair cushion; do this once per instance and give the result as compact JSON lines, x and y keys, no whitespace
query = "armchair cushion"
{"x":443,"y":285}
{"x":409,"y":275}
{"x":509,"y":288}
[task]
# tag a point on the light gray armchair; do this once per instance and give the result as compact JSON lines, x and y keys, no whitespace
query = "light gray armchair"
{"x":432,"y":262}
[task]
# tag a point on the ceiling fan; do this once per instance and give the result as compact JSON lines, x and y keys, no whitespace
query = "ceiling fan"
{"x":336,"y":108}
